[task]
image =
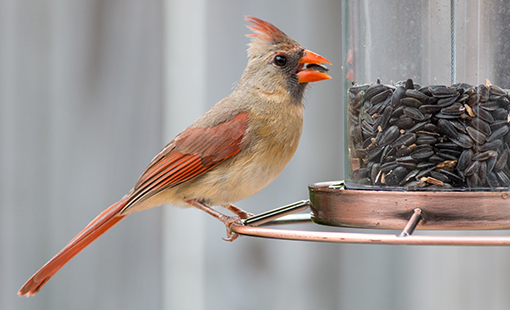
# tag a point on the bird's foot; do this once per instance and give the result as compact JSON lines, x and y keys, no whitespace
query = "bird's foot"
{"x":227,"y":220}
{"x":237,"y":211}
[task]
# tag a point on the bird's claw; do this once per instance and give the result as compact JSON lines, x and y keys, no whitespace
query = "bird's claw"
{"x":229,"y":221}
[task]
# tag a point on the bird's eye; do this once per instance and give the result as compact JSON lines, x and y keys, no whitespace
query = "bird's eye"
{"x":280,"y":60}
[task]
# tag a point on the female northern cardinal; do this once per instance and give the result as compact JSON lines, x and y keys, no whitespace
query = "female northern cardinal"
{"x":231,"y":152}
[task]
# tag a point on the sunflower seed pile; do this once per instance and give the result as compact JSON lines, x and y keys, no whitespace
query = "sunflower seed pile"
{"x":430,"y":137}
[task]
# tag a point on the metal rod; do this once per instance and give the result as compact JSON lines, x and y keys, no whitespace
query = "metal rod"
{"x":271,"y":215}
{"x":453,"y":43}
{"x":412,"y":223}
{"x":342,"y":237}
{"x":299,"y":218}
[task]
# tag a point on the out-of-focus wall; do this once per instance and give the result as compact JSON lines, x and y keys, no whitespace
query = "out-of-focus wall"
{"x":80,"y":118}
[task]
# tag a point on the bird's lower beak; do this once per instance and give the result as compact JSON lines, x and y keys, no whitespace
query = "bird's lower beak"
{"x":311,"y":68}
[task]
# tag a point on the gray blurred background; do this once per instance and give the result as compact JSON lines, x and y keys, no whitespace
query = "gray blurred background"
{"x":90,"y":91}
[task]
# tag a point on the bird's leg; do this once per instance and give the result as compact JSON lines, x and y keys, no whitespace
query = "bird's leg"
{"x":227,"y":220}
{"x":237,"y":211}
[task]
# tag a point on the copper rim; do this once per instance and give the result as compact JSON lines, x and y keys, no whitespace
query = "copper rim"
{"x":392,"y":209}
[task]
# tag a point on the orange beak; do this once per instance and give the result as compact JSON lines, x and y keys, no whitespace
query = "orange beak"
{"x":314,"y":71}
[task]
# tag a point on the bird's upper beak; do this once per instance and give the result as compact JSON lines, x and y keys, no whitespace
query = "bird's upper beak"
{"x":311,"y":69}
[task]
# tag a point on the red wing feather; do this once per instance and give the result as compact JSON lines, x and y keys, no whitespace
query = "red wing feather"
{"x":191,"y":153}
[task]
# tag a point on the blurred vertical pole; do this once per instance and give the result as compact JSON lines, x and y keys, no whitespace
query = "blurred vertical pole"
{"x":184,"y":55}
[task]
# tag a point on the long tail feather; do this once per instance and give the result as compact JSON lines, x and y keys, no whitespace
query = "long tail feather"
{"x":104,"y":221}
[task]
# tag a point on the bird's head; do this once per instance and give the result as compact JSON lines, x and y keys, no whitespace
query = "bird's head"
{"x":276,"y":60}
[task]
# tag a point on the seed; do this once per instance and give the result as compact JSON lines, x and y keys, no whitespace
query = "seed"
{"x":473,"y":180}
{"x":444,"y":102}
{"x":376,"y":167}
{"x":374,"y":154}
{"x":439,"y":176}
{"x":422,"y":151}
{"x":454,"y":109}
{"x":389,"y":135}
{"x":409,"y":176}
{"x":464,"y":160}
{"x":405,"y":139}
{"x":461,"y":127}
{"x":483,"y":114}
{"x":490,"y":105}
{"x":498,"y":133}
{"x":463,"y":141}
{"x":500,"y":114}
{"x":394,"y":177}
{"x":405,"y":122}
{"x":448,"y":145}
{"x":429,"y":108}
{"x":406,"y":159}
{"x":503,"y":178}
{"x":485,"y":155}
{"x":484,"y":92}
{"x":504,"y":103}
{"x":425,"y":165}
{"x":492,"y":145}
{"x":481,"y":126}
{"x":447,"y":128}
{"x":417,"y":94}
{"x":411,"y":102}
{"x":491,"y":163}
{"x":502,"y":161}
{"x":398,"y":94}
{"x":492,"y":180}
{"x":443,"y":91}
{"x":424,"y":173}
{"x":430,"y":127}
{"x":452,"y":176}
{"x":417,"y":127}
{"x":496,"y":90}
{"x":475,"y":166}
{"x":446,"y":116}
{"x":387,"y":167}
{"x":436,"y":158}
{"x":414,"y":113}
{"x":478,"y":137}
{"x":385,"y":117}
{"x":482,"y":172}
{"x":409,"y":84}
{"x":374,"y":90}
{"x":380,"y":97}
{"x":426,"y":139}
{"x":446,"y":156}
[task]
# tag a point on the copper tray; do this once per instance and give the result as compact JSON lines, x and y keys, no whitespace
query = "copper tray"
{"x":445,"y":210}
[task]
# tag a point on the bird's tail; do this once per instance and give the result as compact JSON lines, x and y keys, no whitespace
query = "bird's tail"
{"x":104,"y":221}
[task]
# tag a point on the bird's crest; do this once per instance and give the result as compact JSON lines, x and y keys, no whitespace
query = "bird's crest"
{"x":266,"y":34}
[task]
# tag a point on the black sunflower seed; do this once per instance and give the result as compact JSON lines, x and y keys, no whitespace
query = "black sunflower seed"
{"x":498,"y":133}
{"x":483,"y":114}
{"x":398,"y":94}
{"x":475,"y":135}
{"x":374,"y":90}
{"x":422,"y":151}
{"x":414,"y":114}
{"x":481,"y":126}
{"x":389,"y":135}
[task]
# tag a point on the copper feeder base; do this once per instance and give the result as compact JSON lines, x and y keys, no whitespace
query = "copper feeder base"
{"x":405,"y":211}
{"x":445,"y":210}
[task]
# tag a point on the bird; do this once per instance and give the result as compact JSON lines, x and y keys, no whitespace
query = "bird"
{"x":228,"y":154}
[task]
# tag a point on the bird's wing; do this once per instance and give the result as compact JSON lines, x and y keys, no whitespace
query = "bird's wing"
{"x":190,"y":154}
